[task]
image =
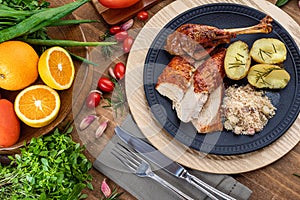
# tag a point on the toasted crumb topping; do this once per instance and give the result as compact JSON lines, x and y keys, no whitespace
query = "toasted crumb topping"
{"x":246,"y":110}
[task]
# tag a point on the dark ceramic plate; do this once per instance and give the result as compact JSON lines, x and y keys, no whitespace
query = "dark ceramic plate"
{"x":286,"y":100}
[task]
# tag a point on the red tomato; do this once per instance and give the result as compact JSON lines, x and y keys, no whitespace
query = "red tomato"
{"x":9,"y":124}
{"x":106,"y":85}
{"x":93,"y":99}
{"x":143,"y":15}
{"x":119,"y":70}
{"x":127,"y":44}
{"x":121,"y":36}
{"x":114,"y":30}
{"x":117,"y":3}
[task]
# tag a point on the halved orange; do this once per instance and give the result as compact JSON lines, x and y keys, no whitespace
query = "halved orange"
{"x":56,"y":68}
{"x":37,"y":105}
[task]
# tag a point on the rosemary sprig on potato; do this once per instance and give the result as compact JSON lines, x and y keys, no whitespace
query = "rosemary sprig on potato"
{"x":268,"y":76}
{"x":268,"y":53}
{"x":237,"y":60}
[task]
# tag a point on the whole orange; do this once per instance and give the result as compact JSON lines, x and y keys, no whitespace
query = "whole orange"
{"x":9,"y":124}
{"x":18,"y":65}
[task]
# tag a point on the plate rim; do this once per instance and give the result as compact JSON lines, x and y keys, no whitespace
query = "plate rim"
{"x":160,"y":139}
{"x":153,"y":97}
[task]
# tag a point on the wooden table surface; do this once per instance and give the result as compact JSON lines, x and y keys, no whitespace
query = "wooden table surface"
{"x":275,"y":181}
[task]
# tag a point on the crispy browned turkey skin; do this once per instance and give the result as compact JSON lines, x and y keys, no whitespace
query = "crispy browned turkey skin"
{"x":189,"y":88}
{"x":210,"y":74}
{"x":207,"y":77}
{"x":198,"y":41}
{"x":175,"y":79}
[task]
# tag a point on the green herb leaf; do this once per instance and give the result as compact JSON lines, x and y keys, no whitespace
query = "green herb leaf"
{"x":298,"y":175}
{"x":49,"y":167}
{"x":76,"y":191}
{"x":118,"y":99}
{"x":90,"y":186}
{"x":27,"y":20}
{"x":114,"y":195}
{"x":280,"y":3}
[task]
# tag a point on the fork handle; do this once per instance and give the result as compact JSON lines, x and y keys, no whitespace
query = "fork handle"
{"x":169,"y":186}
{"x":201,"y":185}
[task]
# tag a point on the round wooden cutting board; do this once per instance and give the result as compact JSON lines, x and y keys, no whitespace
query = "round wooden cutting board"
{"x":164,"y":141}
{"x":72,"y":98}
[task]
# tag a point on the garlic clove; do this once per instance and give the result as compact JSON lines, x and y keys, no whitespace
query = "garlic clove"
{"x":111,"y":73}
{"x":105,"y":188}
{"x":127,"y":25}
{"x":87,"y":121}
{"x":101,"y":129}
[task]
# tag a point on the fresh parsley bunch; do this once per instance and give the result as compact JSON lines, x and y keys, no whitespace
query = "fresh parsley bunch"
{"x":25,"y":4}
{"x":49,"y":167}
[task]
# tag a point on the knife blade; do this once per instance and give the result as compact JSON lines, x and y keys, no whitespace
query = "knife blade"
{"x":172,"y":167}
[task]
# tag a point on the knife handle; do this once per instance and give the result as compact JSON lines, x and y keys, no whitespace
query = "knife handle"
{"x":205,"y":188}
{"x":169,"y":186}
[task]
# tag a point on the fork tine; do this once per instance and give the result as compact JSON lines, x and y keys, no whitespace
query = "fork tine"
{"x":141,"y":167}
{"x":125,"y":161}
{"x":126,"y":156}
{"x":129,"y":154}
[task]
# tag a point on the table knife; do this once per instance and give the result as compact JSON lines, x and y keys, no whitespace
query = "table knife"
{"x":172,"y":167}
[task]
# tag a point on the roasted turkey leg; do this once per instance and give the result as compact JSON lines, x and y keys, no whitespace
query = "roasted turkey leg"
{"x":264,"y":26}
{"x":194,"y":39}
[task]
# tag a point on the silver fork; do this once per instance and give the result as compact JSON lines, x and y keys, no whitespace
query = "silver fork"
{"x":142,"y":168}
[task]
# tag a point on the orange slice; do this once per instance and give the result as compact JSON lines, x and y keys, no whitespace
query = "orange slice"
{"x":56,"y":68}
{"x":37,"y":105}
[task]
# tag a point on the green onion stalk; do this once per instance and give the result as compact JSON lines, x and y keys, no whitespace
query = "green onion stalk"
{"x":28,"y":23}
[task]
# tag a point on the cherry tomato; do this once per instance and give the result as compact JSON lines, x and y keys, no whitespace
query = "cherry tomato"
{"x":106,"y":85}
{"x":121,"y":36}
{"x":114,"y":30}
{"x":93,"y":99}
{"x":119,"y":70}
{"x":117,"y":3}
{"x":127,"y":44}
{"x":143,"y":15}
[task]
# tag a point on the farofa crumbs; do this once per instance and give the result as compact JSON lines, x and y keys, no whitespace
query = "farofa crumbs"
{"x":246,"y":110}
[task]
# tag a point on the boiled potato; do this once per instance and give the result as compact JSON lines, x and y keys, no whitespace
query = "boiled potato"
{"x":268,"y":51}
{"x":237,"y":60}
{"x":268,"y":76}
